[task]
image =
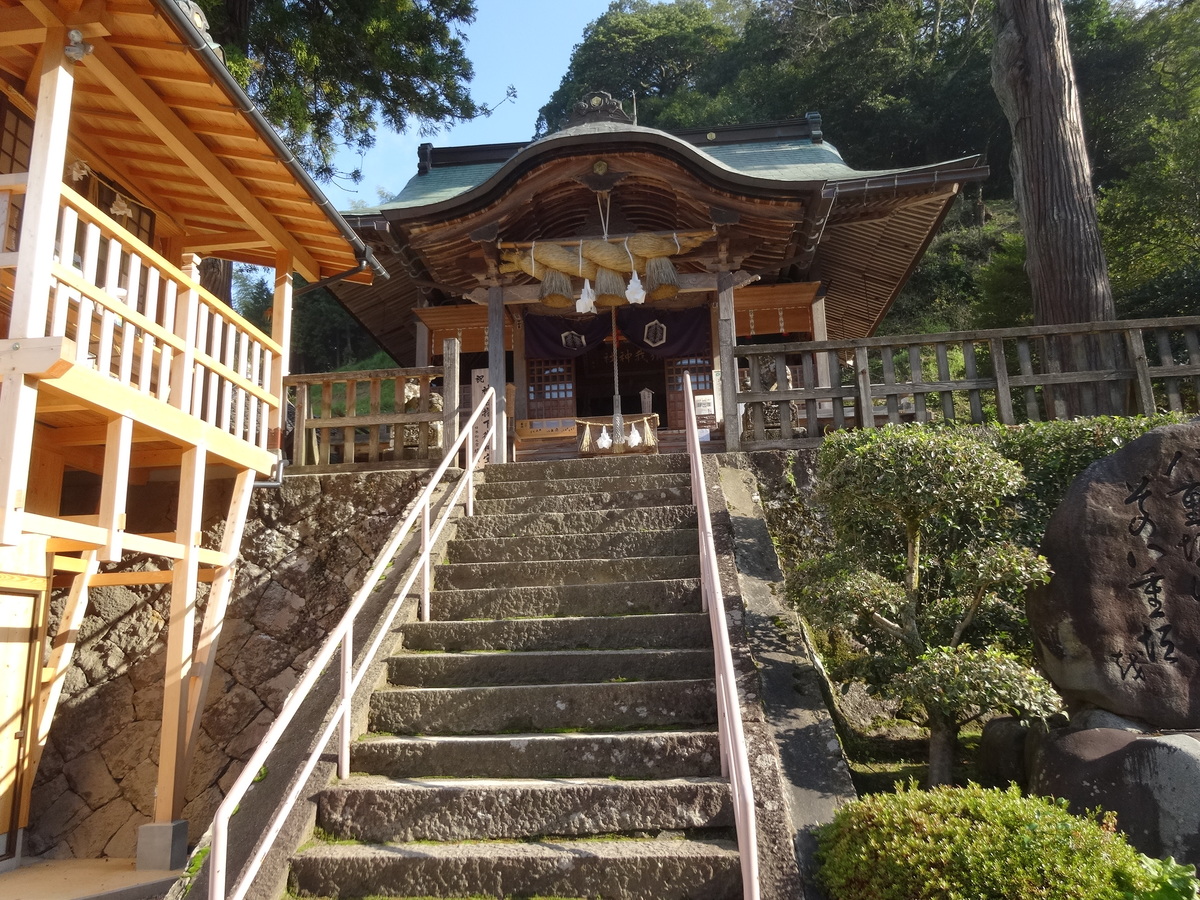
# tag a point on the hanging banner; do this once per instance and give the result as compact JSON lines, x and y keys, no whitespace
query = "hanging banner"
{"x":562,"y":337}
{"x":666,"y":333}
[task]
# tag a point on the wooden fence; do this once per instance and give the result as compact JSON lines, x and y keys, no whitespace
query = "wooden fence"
{"x":379,"y":419}
{"x":792,"y":394}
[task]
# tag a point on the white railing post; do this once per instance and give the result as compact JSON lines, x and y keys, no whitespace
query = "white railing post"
{"x":469,"y":471}
{"x":425,"y":574}
{"x":346,"y":693}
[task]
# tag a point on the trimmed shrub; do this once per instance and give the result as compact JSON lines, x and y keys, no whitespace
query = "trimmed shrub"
{"x":977,"y":844}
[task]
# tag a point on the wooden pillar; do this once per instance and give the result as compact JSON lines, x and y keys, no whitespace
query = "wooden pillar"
{"x":281,"y":333}
{"x":115,"y":484}
{"x":451,"y":394}
{"x":183,"y":364}
{"x":496,"y":370}
{"x":520,"y":367}
{"x":421,"y":345}
{"x":18,"y":406}
{"x":214,"y":613}
{"x":172,"y":774}
{"x":727,"y":337}
{"x":39,"y":221}
{"x":54,"y":675}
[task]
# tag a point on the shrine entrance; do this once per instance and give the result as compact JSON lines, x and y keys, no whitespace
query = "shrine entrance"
{"x":638,"y":371}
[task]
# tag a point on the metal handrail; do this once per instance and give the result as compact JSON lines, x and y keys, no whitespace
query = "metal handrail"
{"x":343,"y":637}
{"x":735,"y":763}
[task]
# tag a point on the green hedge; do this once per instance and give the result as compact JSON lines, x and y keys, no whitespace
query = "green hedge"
{"x":1054,"y":454}
{"x":976,"y":844}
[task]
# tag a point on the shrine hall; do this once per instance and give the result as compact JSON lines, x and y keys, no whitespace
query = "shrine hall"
{"x":588,"y":270}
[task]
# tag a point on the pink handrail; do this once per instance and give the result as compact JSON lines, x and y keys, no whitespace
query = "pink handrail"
{"x":343,"y":636}
{"x":735,"y":764}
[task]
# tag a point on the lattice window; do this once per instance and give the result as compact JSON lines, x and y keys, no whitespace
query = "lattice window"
{"x":700,"y":368}
{"x":551,"y":388}
{"x":16,"y":135}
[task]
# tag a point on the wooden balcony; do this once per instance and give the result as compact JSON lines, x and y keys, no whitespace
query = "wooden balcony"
{"x":120,"y":331}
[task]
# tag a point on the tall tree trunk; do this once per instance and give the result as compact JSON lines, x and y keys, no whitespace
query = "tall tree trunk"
{"x":943,"y":738}
{"x":216,"y":275}
{"x":1035,"y":84}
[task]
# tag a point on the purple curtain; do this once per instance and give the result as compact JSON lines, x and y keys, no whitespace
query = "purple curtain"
{"x":666,"y":333}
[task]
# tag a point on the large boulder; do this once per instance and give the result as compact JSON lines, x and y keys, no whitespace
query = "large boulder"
{"x":1151,"y":781}
{"x":1118,"y":626}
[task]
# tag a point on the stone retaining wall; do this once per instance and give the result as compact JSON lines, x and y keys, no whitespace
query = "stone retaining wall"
{"x":306,"y":549}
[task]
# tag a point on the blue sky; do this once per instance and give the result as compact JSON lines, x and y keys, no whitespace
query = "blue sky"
{"x":525,"y":43}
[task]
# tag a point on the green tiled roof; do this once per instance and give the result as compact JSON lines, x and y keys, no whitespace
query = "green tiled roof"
{"x":784,"y":160}
{"x":441,"y":183}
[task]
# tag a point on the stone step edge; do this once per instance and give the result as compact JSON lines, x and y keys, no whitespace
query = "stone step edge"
{"x":666,"y":617}
{"x":587,"y":685}
{"x":361,"y":780}
{"x":687,"y":583}
{"x":556,"y":654}
{"x":560,"y":562}
{"x":546,"y":736}
{"x":543,"y":845}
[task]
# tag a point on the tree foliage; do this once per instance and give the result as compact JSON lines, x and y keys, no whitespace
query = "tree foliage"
{"x":324,"y":336}
{"x":642,"y":50}
{"x":919,"y":568}
{"x":906,"y":82}
{"x":327,"y":74}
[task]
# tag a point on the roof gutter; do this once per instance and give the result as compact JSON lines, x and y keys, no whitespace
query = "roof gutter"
{"x":216,"y":68}
{"x":332,"y":279}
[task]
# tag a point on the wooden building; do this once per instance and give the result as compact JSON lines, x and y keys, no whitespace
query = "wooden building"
{"x":127,"y":152}
{"x":769,"y":234}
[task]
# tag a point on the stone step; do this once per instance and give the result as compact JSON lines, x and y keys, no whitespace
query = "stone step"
{"x":626,"y":869}
{"x":679,"y":595}
{"x":375,"y":809}
{"x":622,"y":706}
{"x":616,"y":545}
{"x":560,"y":470}
{"x":577,"y":666}
{"x":672,"y":495}
{"x":553,"y":572}
{"x":505,"y":490}
{"x":600,"y":521}
{"x":677,"y":631}
{"x":633,"y":754}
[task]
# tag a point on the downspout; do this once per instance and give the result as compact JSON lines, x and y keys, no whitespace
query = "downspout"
{"x":216,"y":68}
{"x":332,"y":279}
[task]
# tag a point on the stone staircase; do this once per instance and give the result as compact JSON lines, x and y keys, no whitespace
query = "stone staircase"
{"x":552,"y":731}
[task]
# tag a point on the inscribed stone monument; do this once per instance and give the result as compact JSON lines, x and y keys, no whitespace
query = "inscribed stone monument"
{"x":1118,"y":626}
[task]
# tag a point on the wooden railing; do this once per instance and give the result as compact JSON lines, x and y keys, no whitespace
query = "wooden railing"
{"x":794,"y":393}
{"x":371,"y":419}
{"x":143,"y":323}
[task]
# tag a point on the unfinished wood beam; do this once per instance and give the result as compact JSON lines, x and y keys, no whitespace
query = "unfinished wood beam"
{"x":39,"y":221}
{"x":54,"y":672}
{"x":172,"y":774}
{"x":114,"y":487}
{"x":214,"y":614}
{"x":18,"y":406}
{"x":281,"y":333}
{"x":118,"y":76}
